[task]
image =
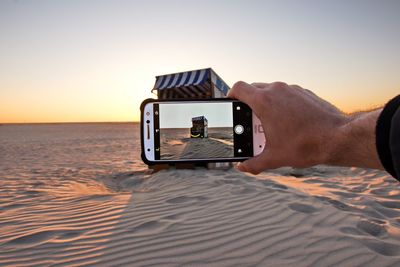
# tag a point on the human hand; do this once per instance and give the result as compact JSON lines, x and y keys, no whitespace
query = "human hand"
{"x":299,"y":126}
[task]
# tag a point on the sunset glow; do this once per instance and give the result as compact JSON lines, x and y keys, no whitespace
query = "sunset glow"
{"x":79,"y":61}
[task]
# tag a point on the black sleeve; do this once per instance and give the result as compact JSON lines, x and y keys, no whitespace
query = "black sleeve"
{"x":395,"y":142}
{"x":388,"y":137}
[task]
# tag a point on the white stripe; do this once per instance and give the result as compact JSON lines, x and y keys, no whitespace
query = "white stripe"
{"x":174,"y":81}
{"x":193,"y":74}
{"x":165,"y":82}
{"x":201,"y":76}
{"x":183,"y":79}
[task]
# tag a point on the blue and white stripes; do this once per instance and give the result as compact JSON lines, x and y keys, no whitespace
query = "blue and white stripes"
{"x":203,"y":83}
{"x":181,"y":79}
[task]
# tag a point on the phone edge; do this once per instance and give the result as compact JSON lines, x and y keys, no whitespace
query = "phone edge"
{"x":173,"y":162}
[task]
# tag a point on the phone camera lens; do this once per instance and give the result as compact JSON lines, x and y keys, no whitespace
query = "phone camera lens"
{"x":148,"y":149}
{"x":147,"y":121}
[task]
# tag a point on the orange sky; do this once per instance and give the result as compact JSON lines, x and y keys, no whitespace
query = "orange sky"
{"x":67,"y":61}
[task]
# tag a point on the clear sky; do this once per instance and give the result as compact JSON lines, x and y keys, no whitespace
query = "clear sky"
{"x":180,"y":115}
{"x":96,"y":60}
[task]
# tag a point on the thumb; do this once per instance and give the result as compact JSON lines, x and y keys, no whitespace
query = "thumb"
{"x":259,"y":163}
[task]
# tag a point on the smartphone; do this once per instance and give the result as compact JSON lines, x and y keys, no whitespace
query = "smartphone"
{"x":205,"y":130}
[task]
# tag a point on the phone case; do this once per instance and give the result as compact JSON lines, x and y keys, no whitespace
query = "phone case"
{"x":173,"y":162}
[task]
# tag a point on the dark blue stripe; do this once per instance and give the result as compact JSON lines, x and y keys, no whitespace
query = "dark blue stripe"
{"x":161,"y":78}
{"x":196,"y":77}
{"x":179,"y":79}
{"x":171,"y":80}
{"x":188,"y":77}
{"x":165,"y":79}
{"x":205,"y":76}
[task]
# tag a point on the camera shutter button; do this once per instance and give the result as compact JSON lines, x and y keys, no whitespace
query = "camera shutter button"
{"x":239,"y":129}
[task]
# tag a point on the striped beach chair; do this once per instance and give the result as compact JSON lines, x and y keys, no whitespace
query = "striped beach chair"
{"x":203,"y":83}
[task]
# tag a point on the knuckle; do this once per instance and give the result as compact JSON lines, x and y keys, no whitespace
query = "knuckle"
{"x":239,"y":84}
{"x":310,"y":92}
{"x":279,"y":85}
{"x":296,"y":86}
{"x":259,"y":85}
{"x":280,"y":88}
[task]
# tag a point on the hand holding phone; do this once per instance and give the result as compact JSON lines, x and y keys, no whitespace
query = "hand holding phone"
{"x":205,"y":130}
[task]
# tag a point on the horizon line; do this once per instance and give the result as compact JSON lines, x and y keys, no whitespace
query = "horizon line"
{"x":68,"y":122}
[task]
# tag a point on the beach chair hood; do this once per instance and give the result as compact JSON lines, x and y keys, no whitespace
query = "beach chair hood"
{"x":202,"y":83}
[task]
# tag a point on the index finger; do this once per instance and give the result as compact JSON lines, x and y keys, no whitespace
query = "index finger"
{"x":243,"y":92}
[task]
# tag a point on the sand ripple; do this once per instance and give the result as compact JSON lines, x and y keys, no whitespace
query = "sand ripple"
{"x":206,"y":218}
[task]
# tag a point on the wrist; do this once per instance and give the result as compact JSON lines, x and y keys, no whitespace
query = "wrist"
{"x":338,"y":142}
{"x":353,"y":143}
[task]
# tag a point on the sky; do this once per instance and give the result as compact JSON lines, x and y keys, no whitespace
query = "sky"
{"x":79,"y":61}
{"x":180,"y":115}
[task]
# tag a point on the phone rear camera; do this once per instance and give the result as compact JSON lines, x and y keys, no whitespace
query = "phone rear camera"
{"x":148,"y":149}
{"x":147,"y":121}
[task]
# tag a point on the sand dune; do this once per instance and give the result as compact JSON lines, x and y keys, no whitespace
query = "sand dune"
{"x":177,"y":144}
{"x":79,"y":195}
{"x":209,"y":218}
{"x":211,"y":147}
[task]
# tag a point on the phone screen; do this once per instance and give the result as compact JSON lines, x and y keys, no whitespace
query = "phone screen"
{"x":202,"y":130}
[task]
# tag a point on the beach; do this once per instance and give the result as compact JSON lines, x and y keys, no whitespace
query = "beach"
{"x":176,"y":143}
{"x":79,"y":195}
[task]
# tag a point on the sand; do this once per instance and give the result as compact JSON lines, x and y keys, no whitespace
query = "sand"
{"x":79,"y":195}
{"x":177,"y":144}
{"x":322,"y":216}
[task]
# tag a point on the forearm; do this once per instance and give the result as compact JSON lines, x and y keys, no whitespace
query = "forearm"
{"x":354,"y":142}
{"x":304,"y":130}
